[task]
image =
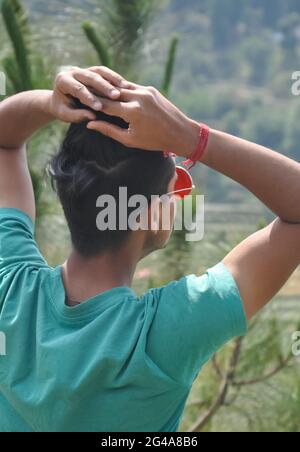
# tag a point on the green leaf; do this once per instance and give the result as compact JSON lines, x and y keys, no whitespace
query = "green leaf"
{"x":14,"y":17}
{"x":99,"y":45}
{"x":169,"y":70}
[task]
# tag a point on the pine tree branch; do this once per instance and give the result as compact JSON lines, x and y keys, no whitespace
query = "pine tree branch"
{"x":226,"y":382}
{"x":216,"y":367}
{"x":265,"y":377}
{"x":14,"y":19}
{"x":169,"y":70}
{"x":98,"y":44}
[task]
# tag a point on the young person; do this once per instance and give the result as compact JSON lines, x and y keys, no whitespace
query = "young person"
{"x":83,"y":352}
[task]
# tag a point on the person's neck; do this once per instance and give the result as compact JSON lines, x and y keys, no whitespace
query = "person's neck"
{"x":85,"y":278}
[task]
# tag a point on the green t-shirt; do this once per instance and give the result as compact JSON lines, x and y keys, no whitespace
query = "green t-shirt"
{"x":115,"y":363}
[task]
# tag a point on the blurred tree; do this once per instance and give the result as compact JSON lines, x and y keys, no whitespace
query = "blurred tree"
{"x":242,"y":364}
{"x":169,"y":70}
{"x":224,"y":19}
{"x":242,"y":368}
{"x":177,"y":260}
{"x":124,"y":26}
{"x":288,"y":26}
{"x":257,"y":52}
{"x":26,"y":70}
{"x":231,"y":122}
{"x":270,"y":15}
{"x":265,"y":127}
{"x":100,"y":46}
{"x":17,"y":68}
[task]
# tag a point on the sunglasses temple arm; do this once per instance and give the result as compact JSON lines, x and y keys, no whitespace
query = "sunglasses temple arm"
{"x":180,"y":191}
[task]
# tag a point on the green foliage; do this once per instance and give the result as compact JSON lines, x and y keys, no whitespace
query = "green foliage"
{"x":177,"y":256}
{"x":224,"y":18}
{"x":265,"y":127}
{"x":99,"y":45}
{"x":124,"y":25}
{"x":15,"y":20}
{"x":288,"y":25}
{"x":256,"y":53}
{"x":261,"y":224}
{"x":176,"y":259}
{"x":169,"y":70}
{"x":26,"y":68}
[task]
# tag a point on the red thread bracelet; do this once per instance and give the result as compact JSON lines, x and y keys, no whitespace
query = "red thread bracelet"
{"x":201,"y":147}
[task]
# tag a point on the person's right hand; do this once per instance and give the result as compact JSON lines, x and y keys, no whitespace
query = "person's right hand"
{"x":86,"y":85}
{"x":155,"y":124}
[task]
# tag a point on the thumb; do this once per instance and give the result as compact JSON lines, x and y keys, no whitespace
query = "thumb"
{"x":110,"y":130}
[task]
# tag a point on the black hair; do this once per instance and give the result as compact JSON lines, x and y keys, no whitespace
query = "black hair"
{"x":90,"y":164}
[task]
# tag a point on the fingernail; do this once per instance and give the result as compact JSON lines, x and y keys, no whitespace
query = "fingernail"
{"x":115,"y":93}
{"x":124,"y":84}
{"x":97,"y":105}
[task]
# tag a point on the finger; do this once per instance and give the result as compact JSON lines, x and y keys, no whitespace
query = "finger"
{"x":97,"y":83}
{"x":111,"y":76}
{"x":115,"y":108}
{"x":69,"y":86}
{"x":132,"y":86}
{"x":128,"y":95}
{"x":110,"y":130}
{"x":73,"y":116}
{"x":82,"y":115}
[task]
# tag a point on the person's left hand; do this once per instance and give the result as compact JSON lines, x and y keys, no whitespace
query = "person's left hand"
{"x":85,"y":85}
{"x":155,"y":124}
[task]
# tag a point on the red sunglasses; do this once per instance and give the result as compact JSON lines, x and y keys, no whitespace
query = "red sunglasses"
{"x":184,"y":183}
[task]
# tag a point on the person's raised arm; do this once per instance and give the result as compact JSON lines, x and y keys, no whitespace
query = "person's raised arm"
{"x":263,"y":263}
{"x":23,"y":114}
{"x":156,"y":124}
{"x":270,"y":176}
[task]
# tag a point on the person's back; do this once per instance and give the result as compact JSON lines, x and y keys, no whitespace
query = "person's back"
{"x":86,"y":368}
{"x":113,"y":363}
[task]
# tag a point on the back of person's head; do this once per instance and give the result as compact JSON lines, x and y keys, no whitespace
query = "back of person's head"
{"x":89,"y":165}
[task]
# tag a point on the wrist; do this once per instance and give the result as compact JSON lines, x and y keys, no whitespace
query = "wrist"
{"x":185,"y":138}
{"x":190,"y":138}
{"x":45,"y":103}
{"x":213,"y":143}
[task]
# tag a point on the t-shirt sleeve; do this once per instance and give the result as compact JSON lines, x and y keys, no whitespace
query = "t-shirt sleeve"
{"x":18,"y":247}
{"x":195,"y":317}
